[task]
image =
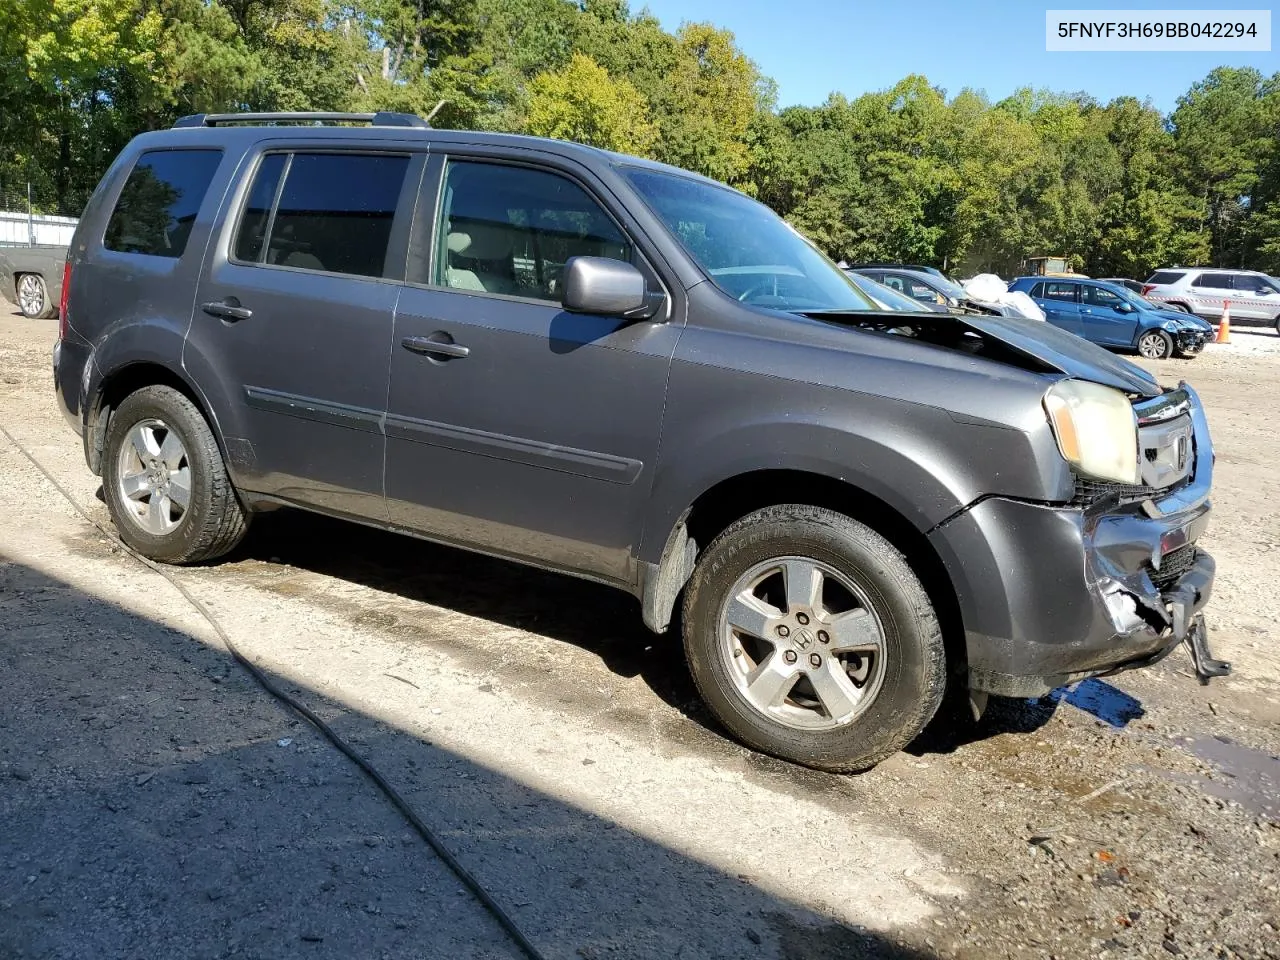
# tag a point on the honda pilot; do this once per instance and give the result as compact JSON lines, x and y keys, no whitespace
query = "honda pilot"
{"x":626,"y":372}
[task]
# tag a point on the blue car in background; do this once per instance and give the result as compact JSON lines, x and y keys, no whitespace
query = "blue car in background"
{"x":1109,"y":315}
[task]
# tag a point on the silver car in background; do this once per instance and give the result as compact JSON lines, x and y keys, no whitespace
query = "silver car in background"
{"x":1204,"y":291}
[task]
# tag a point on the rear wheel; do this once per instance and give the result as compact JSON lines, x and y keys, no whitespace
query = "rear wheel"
{"x":164,"y":480}
{"x":33,"y":297}
{"x":1155,"y":345}
{"x":1181,"y":308}
{"x":811,"y":639}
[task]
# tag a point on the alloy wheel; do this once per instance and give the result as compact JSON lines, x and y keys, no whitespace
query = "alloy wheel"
{"x":802,"y":643}
{"x":154,"y":477}
{"x":31,"y":295}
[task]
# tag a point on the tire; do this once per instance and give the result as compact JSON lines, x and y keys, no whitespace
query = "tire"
{"x":902,"y":685}
{"x":1155,"y":345}
{"x":33,"y":297}
{"x":1278,"y":323}
{"x":1180,"y":307}
{"x":155,"y":524}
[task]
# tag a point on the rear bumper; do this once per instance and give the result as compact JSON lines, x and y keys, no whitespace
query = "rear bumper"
{"x":70,"y":360}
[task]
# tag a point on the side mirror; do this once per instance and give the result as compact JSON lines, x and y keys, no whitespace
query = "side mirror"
{"x":604,"y":286}
{"x":1125,"y":307}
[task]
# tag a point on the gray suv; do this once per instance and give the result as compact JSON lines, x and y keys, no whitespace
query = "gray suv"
{"x":626,"y":372}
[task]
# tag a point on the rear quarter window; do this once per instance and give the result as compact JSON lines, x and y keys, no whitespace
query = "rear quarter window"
{"x":1166,"y":276}
{"x":158,"y":204}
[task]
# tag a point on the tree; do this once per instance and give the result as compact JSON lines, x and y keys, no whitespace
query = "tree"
{"x":582,"y":102}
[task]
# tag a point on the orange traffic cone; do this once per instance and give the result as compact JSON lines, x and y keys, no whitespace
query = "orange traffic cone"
{"x":1224,"y":325}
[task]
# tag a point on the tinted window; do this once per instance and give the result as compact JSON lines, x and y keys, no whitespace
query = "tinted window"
{"x":510,"y":230}
{"x":893,"y":283}
{"x":1100,"y":297}
{"x":1166,"y":276}
{"x":1219,"y":281}
{"x":1060,"y":291}
{"x":159,"y":202}
{"x":334,"y":214}
{"x":257,"y":209}
{"x":1037,"y":292}
{"x":1246,"y":283}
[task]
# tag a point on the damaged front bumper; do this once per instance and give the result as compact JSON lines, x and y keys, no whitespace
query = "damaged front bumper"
{"x":1053,"y":594}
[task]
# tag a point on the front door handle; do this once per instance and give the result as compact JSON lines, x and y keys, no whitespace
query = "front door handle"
{"x":228,"y":309}
{"x":437,"y":347}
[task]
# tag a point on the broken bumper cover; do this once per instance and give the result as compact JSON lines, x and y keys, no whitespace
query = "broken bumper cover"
{"x":1053,"y":594}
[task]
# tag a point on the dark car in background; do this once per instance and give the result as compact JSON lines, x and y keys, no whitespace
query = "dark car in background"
{"x":1133,"y":286}
{"x":888,"y":298}
{"x":918,"y":284}
{"x":1112,"y":316}
{"x":31,"y":277}
{"x":615,"y":369}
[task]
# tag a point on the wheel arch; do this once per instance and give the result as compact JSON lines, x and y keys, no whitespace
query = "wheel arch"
{"x":734,"y":497}
{"x":124,"y":380}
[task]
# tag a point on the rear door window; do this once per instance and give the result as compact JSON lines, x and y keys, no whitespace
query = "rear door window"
{"x":332,"y":213}
{"x":1166,"y":276}
{"x":158,"y":204}
{"x":1213,"y":281}
{"x":1065,"y":292}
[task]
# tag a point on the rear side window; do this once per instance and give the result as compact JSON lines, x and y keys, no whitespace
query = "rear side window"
{"x":1218,"y":281}
{"x":159,"y":202}
{"x":333,"y":212}
{"x":1166,"y":276}
{"x":1037,"y":292}
{"x":1060,"y":291}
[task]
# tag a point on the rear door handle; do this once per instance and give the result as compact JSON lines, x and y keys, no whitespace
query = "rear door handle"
{"x":228,"y":309}
{"x":430,"y":346}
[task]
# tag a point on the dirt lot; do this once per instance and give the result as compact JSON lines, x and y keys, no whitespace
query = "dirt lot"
{"x":155,"y":803}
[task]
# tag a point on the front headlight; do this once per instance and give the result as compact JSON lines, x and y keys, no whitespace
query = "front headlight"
{"x":1096,"y":429}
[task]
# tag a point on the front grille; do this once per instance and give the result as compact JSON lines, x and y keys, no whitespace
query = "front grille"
{"x":1172,"y":566}
{"x":1093,"y":491}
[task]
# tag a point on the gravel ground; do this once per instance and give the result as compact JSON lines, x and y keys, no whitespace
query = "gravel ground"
{"x":153,"y":802}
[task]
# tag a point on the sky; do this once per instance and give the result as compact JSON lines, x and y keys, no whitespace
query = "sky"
{"x":812,"y":48}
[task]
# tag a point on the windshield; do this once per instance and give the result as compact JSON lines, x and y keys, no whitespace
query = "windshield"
{"x":746,"y":249}
{"x":889,"y":297}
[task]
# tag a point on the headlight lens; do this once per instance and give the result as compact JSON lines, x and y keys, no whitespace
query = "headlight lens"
{"x":1096,"y":429}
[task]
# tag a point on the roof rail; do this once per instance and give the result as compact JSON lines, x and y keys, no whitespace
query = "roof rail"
{"x":380,"y":119}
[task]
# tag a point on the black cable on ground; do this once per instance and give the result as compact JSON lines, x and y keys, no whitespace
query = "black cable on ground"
{"x":471,"y":883}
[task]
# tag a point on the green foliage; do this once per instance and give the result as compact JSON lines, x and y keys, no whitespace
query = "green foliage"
{"x":582,"y":102}
{"x":905,"y":173}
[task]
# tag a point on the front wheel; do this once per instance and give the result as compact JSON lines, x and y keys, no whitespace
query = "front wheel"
{"x":811,"y":639}
{"x":1155,"y":345}
{"x":164,"y":480}
{"x":33,"y":297}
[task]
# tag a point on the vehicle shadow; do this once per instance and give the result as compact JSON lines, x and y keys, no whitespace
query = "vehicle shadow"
{"x":156,"y":802}
{"x":595,"y":618}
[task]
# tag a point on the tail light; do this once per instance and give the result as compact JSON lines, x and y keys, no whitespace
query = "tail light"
{"x":1147,"y":288}
{"x":62,"y":301}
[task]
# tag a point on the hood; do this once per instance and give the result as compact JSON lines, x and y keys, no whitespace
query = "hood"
{"x":1045,"y":346}
{"x":1067,"y":353}
{"x":1183,"y":319}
